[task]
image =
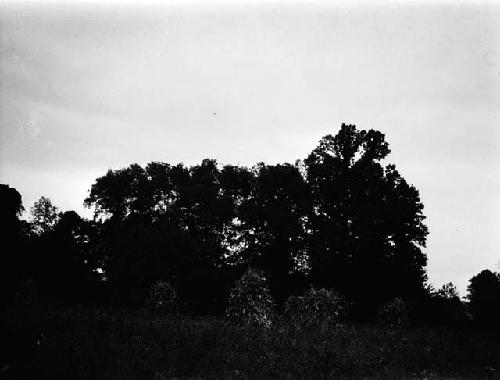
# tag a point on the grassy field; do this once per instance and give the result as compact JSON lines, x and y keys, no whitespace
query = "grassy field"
{"x":83,"y":344}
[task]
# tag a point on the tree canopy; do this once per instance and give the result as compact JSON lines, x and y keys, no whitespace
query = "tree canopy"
{"x":367,"y":221}
{"x":44,"y":215}
{"x":484,"y":297}
{"x":342,"y":218}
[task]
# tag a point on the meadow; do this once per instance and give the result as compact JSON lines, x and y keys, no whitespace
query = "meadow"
{"x":117,"y":344}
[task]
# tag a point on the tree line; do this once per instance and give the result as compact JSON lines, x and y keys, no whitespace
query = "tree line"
{"x":340,"y":219}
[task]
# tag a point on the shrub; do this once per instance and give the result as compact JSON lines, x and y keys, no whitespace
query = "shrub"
{"x":393,"y":314}
{"x":484,"y":298}
{"x":446,"y":308}
{"x":161,"y":299}
{"x":250,"y":302}
{"x":316,"y":307}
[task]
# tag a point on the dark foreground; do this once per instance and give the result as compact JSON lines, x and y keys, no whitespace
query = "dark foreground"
{"x":82,"y":344}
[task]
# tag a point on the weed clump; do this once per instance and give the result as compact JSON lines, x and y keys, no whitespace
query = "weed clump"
{"x":250,"y":302}
{"x":322,"y":307}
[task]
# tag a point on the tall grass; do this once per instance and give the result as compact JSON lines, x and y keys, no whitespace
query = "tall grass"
{"x":83,"y":344}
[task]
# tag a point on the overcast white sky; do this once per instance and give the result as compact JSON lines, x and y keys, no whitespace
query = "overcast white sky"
{"x":89,"y":87}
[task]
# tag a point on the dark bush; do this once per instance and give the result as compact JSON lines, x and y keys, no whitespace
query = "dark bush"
{"x":320,"y":307}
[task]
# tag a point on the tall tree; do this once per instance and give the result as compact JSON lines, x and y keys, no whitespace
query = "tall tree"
{"x":13,"y":244}
{"x":11,"y":204}
{"x":484,"y":297}
{"x":367,"y":227}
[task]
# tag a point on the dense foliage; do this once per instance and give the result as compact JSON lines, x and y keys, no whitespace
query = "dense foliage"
{"x":341,"y":219}
{"x":367,"y":230}
{"x":484,"y":297}
{"x":297,"y":255}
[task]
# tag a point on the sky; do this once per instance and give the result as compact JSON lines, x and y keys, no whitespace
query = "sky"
{"x":87,"y":87}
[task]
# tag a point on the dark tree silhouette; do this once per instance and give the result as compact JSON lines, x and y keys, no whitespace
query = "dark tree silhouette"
{"x":367,"y":222}
{"x":168,"y":223}
{"x":342,"y":218}
{"x":11,"y":204}
{"x":273,"y":222}
{"x":60,"y":258}
{"x":13,"y":247}
{"x":120,"y":193}
{"x":444,"y":307}
{"x":484,"y":298}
